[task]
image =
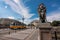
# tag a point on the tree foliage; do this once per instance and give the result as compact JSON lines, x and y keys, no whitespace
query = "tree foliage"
{"x":55,"y":23}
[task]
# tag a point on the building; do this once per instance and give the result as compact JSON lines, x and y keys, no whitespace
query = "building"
{"x":35,"y":23}
{"x":5,"y":22}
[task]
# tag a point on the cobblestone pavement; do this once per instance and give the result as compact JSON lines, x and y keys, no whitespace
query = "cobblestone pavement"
{"x":8,"y":31}
{"x":19,"y":35}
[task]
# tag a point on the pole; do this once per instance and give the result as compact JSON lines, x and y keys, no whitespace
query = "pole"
{"x":55,"y":35}
{"x":23,"y":20}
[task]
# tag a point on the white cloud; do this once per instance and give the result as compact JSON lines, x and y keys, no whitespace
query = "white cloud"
{"x":27,"y":21}
{"x":16,"y":1}
{"x":19,"y":7}
{"x":11,"y":17}
{"x":6,"y":6}
{"x":53,"y":16}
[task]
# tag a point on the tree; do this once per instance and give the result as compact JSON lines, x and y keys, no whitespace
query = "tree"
{"x":55,"y":23}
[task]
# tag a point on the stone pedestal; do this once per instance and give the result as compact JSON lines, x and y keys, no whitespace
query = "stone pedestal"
{"x":45,"y":31}
{"x":44,"y":25}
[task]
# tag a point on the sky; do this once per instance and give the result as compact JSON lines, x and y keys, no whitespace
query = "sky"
{"x":17,"y":9}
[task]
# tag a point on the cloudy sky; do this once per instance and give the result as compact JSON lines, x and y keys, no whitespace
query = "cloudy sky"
{"x":17,"y":9}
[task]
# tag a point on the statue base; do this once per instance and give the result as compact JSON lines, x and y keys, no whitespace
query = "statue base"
{"x":44,"y":25}
{"x":45,"y":31}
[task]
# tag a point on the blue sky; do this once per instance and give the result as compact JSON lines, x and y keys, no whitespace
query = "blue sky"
{"x":16,"y":9}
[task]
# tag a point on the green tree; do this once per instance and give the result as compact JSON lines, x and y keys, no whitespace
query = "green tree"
{"x":55,"y":23}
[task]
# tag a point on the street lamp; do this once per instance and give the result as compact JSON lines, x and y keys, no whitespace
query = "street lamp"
{"x":23,"y":19}
{"x":55,"y":33}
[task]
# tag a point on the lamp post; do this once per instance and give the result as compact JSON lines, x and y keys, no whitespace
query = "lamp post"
{"x":55,"y":33}
{"x":23,"y":20}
